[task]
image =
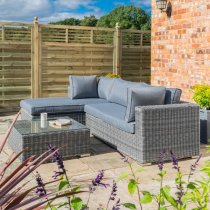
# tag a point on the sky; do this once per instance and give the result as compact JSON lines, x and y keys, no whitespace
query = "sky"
{"x":54,"y":10}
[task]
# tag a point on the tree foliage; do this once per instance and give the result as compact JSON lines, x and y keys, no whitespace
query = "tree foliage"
{"x":89,"y":21}
{"x":128,"y":17}
{"x":68,"y":22}
{"x":86,"y":21}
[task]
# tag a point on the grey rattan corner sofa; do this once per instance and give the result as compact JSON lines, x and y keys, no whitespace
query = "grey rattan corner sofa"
{"x":141,"y":121}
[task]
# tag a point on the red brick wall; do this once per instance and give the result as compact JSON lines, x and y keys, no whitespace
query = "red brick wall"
{"x":181,"y":45}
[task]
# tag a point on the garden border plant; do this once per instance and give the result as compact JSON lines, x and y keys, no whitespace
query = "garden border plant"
{"x":13,"y":196}
{"x":201,"y":95}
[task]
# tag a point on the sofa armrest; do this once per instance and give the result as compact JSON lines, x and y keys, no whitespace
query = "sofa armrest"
{"x":169,"y":127}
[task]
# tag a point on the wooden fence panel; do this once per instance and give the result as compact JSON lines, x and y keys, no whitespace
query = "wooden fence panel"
{"x":15,"y":66}
{"x":36,"y":59}
{"x":136,"y":56}
{"x":58,"y":62}
{"x":73,"y":51}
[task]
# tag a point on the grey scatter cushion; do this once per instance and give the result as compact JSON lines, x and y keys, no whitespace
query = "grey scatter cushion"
{"x":173,"y":95}
{"x":104,"y":87}
{"x":83,"y":87}
{"x":143,"y":96}
{"x":120,"y":89}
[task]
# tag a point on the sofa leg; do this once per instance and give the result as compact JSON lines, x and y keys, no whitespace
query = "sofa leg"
{"x":195,"y":157}
{"x":85,"y":155}
{"x":145,"y":164}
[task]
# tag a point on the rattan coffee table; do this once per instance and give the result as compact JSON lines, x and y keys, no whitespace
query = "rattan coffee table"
{"x":74,"y":139}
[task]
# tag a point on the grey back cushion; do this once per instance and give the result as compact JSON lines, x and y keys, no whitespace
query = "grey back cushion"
{"x":104,"y":87}
{"x":143,"y":96}
{"x":173,"y":95}
{"x":83,"y":87}
{"x":119,"y":91}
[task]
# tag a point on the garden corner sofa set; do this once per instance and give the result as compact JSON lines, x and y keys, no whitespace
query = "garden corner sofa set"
{"x":140,"y":120}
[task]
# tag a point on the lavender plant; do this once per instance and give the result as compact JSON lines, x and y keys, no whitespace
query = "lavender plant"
{"x":40,"y":189}
{"x":13,"y":194}
{"x":97,"y":182}
{"x":112,"y":196}
{"x":187,"y":192}
{"x":13,"y":197}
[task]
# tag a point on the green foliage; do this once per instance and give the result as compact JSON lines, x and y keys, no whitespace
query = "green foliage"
{"x":195,"y":192}
{"x":63,"y":185}
{"x":201,"y":95}
{"x":86,"y":21}
{"x":128,"y":17}
{"x":132,"y":186}
{"x":167,"y":195}
{"x":89,"y":21}
{"x":129,"y":206}
{"x":68,"y":22}
{"x":123,"y":176}
{"x":77,"y":203}
{"x":188,"y":193}
{"x":147,"y":197}
{"x":112,"y":75}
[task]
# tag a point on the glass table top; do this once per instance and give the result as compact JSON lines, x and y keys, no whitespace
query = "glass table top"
{"x":34,"y":126}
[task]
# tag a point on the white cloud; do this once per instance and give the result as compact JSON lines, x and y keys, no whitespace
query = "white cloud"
{"x":73,"y":4}
{"x":144,"y":3}
{"x":54,"y":10}
{"x":17,"y":10}
{"x":118,"y":3}
{"x":46,"y":10}
{"x":63,"y":15}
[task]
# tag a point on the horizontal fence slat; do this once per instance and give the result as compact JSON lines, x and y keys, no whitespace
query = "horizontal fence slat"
{"x":63,"y":51}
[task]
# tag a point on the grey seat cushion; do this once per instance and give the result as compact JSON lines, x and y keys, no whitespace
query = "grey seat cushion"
{"x":57,"y":105}
{"x":173,"y":95}
{"x":105,"y":86}
{"x":143,"y":96}
{"x":111,"y":113}
{"x":83,"y":87}
{"x":119,"y":91}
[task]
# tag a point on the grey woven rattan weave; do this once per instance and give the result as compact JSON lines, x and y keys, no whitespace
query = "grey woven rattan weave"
{"x":74,"y":139}
{"x":159,"y":128}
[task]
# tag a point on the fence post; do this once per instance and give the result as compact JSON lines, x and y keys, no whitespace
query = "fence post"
{"x":36,"y":59}
{"x":3,"y":39}
{"x":118,"y":50}
{"x":67,"y":35}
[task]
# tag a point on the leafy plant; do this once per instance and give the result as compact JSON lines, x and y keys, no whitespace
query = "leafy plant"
{"x":128,"y":17}
{"x":13,"y":195}
{"x":110,"y":75}
{"x":201,"y":95}
{"x":187,"y":192}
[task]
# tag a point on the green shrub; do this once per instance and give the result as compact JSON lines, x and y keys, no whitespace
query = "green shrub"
{"x":201,"y":95}
{"x":110,"y":75}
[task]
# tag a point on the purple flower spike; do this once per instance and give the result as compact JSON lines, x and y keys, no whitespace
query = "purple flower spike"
{"x":98,"y":180}
{"x":56,"y":157}
{"x":174,"y":161}
{"x":161,"y":160}
{"x":114,"y":191}
{"x":117,"y":205}
{"x":57,"y":174}
{"x":124,"y":158}
{"x":194,"y":165}
{"x":40,"y":190}
{"x":180,"y":194}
